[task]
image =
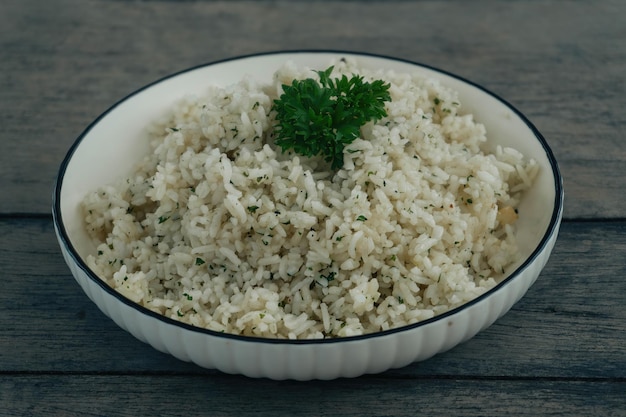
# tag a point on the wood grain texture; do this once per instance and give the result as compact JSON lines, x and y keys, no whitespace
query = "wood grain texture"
{"x":107,"y":395}
{"x":62,"y":63}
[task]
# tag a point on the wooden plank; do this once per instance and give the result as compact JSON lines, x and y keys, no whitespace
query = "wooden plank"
{"x":62,"y":63}
{"x":163,"y":395}
{"x":571,"y":324}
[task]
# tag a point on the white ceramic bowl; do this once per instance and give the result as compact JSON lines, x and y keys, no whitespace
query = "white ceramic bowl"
{"x":106,"y":150}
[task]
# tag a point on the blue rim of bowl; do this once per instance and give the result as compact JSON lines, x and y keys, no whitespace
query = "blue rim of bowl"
{"x":552,"y":227}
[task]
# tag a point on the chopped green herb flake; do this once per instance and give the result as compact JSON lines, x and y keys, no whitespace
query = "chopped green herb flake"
{"x":330,"y":277}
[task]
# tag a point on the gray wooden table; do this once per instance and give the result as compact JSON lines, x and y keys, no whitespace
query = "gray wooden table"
{"x":560,"y":351}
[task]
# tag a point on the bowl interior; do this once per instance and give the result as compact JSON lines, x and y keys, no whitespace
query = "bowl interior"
{"x":110,"y":147}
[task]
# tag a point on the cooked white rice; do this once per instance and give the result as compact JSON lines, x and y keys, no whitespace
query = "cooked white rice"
{"x":219,"y":229}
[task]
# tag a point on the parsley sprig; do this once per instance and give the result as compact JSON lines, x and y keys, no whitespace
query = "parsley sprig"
{"x":321,"y":118}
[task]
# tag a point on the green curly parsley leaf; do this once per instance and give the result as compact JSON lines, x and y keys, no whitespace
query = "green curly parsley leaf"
{"x":321,"y":118}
